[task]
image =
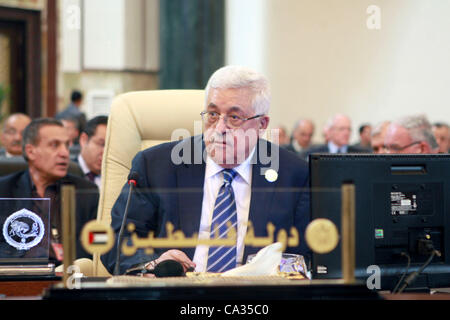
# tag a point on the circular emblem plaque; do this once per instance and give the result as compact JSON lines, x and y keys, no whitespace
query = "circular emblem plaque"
{"x":23,"y":230}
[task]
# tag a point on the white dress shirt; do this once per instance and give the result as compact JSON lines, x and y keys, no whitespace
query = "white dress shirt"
{"x":85,"y":169}
{"x":241,"y":185}
{"x":334,"y":148}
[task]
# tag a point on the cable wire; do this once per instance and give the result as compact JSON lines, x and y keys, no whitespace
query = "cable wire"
{"x":404,"y":273}
{"x":414,"y":275}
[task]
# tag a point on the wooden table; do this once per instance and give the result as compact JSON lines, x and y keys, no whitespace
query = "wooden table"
{"x":26,"y":287}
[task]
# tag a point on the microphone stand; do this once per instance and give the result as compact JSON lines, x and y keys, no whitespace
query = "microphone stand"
{"x":131,"y":182}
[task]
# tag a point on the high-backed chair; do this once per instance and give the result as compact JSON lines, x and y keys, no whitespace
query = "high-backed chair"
{"x":137,"y":121}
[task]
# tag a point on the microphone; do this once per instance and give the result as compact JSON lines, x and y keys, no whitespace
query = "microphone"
{"x":132,"y":182}
{"x":168,"y":268}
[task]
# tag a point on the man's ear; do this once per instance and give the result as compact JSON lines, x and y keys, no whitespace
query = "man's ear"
{"x":83,"y":139}
{"x":425,"y":147}
{"x":264,"y":122}
{"x":30,"y":151}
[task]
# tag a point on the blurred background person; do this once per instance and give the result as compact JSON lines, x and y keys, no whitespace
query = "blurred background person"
{"x":73,"y":129}
{"x":11,"y":134}
{"x":365,"y":137}
{"x":73,"y":110}
{"x":378,"y":134}
{"x":410,"y":134}
{"x":340,"y":128}
{"x":441,"y":133}
{"x":283,"y":136}
{"x":92,"y":143}
{"x":326,"y":132}
{"x":302,"y":135}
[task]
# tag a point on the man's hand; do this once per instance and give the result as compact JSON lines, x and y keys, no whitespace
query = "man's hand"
{"x":176,"y":255}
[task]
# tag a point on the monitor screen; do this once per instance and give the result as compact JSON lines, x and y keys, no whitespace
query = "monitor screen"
{"x":402,"y":210}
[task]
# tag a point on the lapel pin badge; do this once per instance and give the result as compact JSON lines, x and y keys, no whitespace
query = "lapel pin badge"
{"x":271,"y":175}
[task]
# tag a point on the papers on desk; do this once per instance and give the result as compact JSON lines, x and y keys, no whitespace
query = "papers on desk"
{"x":17,"y":270}
{"x":265,"y":263}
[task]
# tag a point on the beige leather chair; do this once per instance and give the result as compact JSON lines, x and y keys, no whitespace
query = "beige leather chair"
{"x":139,"y":120}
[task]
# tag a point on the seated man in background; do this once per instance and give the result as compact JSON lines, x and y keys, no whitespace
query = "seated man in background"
{"x":302,"y":136}
{"x":339,"y":130}
{"x":441,"y":133}
{"x":11,"y":135}
{"x":227,"y":182}
{"x":410,"y":134}
{"x":73,"y":110}
{"x":283,"y":137}
{"x":92,"y":143}
{"x":378,"y":134}
{"x":45,"y":148}
{"x":73,"y":129}
{"x":365,"y":137}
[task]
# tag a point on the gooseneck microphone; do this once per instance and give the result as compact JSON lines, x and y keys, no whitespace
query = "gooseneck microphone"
{"x":132,"y":182}
{"x":166,"y":268}
{"x":169,"y":268}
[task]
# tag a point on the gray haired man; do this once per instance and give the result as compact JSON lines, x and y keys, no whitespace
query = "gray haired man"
{"x":410,"y":134}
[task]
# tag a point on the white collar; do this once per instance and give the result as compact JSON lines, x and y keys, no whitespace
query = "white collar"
{"x":244,"y":169}
{"x":333,"y":148}
{"x":83,"y":164}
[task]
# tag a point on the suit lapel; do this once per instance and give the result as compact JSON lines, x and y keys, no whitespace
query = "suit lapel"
{"x":262,"y":195}
{"x":190,"y":180}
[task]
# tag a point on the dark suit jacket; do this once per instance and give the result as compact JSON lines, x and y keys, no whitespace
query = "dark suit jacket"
{"x":169,"y":191}
{"x":18,"y":185}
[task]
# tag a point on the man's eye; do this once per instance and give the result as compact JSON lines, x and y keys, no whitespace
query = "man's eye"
{"x":213,"y":114}
{"x":234,"y":117}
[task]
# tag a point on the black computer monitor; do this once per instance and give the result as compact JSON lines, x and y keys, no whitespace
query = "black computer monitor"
{"x":402,"y":207}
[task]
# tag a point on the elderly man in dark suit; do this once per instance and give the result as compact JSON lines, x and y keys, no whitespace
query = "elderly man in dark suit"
{"x":45,"y":148}
{"x":340,"y":128}
{"x":218,"y":181}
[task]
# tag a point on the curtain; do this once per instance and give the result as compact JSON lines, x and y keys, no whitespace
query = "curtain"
{"x":192,"y":42}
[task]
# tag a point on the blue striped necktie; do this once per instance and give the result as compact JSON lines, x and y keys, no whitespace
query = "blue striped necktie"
{"x":222,"y":258}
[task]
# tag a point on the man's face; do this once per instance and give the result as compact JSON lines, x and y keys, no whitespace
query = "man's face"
{"x":92,"y":149}
{"x":303,"y":134}
{"x":398,"y":140}
{"x":340,"y":131}
{"x":72,"y":130}
{"x":229,"y":146}
{"x":50,"y":156}
{"x":11,"y":136}
{"x":442,"y":136}
{"x":366,"y":135}
{"x":378,"y":143}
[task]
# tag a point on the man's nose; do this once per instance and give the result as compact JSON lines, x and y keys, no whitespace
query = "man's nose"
{"x":221,"y":125}
{"x":64,"y":151}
